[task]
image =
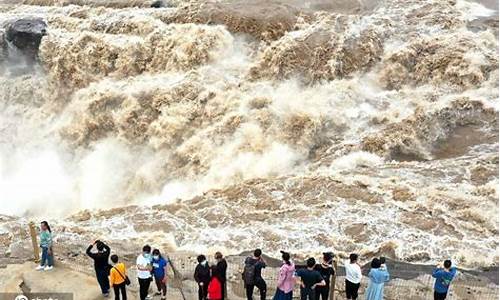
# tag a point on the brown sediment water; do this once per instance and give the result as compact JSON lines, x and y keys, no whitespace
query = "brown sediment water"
{"x":461,"y":139}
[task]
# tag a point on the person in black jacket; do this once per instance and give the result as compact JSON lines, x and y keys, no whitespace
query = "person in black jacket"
{"x":101,"y":264}
{"x":252,"y":275}
{"x":202,"y":277}
{"x":327,"y":271}
{"x":219,"y":271}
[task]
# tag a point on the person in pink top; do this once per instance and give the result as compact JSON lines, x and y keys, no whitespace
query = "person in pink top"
{"x":286,"y":280}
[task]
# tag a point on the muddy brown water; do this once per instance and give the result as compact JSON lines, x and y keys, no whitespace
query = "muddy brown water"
{"x":461,"y":139}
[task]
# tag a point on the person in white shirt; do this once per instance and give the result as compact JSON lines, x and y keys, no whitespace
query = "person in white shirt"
{"x":144,"y":268}
{"x":352,"y":276}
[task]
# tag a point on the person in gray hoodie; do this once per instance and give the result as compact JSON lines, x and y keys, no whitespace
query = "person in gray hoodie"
{"x":286,"y":280}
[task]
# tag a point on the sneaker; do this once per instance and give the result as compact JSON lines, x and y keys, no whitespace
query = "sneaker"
{"x":106,"y":295}
{"x":48,"y":268}
{"x":163,"y":298}
{"x":157,"y":293}
{"x":148,"y":297}
{"x":40,"y":268}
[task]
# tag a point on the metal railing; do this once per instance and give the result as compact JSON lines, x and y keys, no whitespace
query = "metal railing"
{"x":420,"y":286}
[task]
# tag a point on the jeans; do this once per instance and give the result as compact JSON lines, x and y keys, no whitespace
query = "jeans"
{"x":261,"y":285}
{"x":46,"y":258}
{"x":103,"y":280}
{"x":144,"y":287}
{"x":307,"y":294}
{"x":122,"y":287}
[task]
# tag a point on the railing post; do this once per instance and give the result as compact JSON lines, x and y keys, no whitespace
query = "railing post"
{"x":178,"y":275}
{"x":332,"y":282}
{"x":36,"y":252}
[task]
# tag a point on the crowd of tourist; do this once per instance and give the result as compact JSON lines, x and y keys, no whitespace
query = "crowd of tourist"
{"x":312,"y":278}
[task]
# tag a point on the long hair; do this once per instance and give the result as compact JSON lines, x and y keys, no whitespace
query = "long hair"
{"x":47,"y":225}
{"x":157,"y":252}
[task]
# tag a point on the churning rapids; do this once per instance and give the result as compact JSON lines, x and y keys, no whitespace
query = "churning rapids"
{"x":369,"y":126}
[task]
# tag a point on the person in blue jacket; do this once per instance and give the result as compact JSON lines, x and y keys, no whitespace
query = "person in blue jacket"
{"x":443,"y":276}
{"x":378,"y":277}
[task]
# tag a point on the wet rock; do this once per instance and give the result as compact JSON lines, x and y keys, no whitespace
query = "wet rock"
{"x":26,"y":35}
{"x":160,"y":4}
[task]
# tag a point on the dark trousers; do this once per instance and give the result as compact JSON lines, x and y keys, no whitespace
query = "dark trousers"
{"x":307,"y":294}
{"x":261,"y":285}
{"x":223,"y":285}
{"x":322,"y":292}
{"x":162,"y":286}
{"x":439,"y":296}
{"x":120,"y":288}
{"x":102,"y":279}
{"x":351,"y":290}
{"x":203,"y":291}
{"x":144,"y":287}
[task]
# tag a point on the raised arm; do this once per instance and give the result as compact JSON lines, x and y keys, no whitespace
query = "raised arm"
{"x":89,"y":253}
{"x":106,"y":247}
{"x":437,"y":272}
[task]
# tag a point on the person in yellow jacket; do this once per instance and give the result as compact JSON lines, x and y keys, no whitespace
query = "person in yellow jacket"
{"x":118,"y":278}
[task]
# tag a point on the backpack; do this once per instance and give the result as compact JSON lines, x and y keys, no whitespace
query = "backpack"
{"x":249,"y":273}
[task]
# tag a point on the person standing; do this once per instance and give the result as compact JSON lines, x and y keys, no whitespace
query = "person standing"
{"x":252,"y":275}
{"x":160,"y":273}
{"x":352,"y":277}
{"x":47,"y":261}
{"x":286,"y":280}
{"x":214,"y":288}
{"x":378,"y":277}
{"x":101,"y":264}
{"x":326,"y":270}
{"x":443,"y":274}
{"x":117,"y":278}
{"x":220,"y":270}
{"x":144,"y":268}
{"x":202,"y":276}
{"x":309,"y":280}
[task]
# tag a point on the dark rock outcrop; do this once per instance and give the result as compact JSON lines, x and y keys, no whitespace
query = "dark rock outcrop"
{"x":26,"y":35}
{"x":160,"y":4}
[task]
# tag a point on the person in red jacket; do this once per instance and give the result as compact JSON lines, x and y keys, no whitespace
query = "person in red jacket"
{"x":214,"y":289}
